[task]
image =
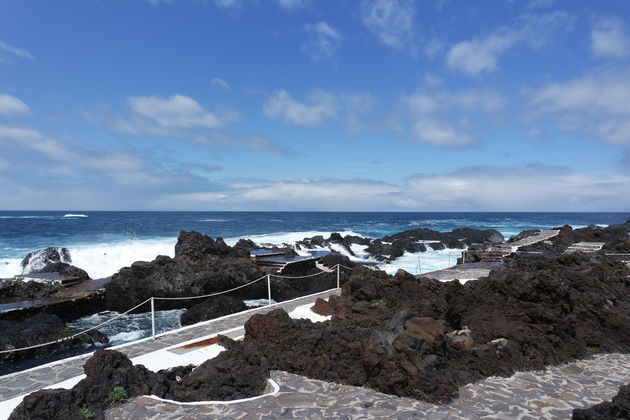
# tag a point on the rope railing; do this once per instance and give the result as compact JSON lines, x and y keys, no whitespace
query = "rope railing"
{"x":154,"y":298}
{"x":70,"y":337}
{"x":211,"y":294}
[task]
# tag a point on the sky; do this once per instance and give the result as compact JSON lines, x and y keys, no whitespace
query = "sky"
{"x":332,"y":105}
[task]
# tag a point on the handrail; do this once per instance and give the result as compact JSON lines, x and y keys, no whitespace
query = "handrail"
{"x":153,"y":298}
{"x":77,"y":334}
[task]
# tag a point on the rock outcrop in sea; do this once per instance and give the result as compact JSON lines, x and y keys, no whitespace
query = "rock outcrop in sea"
{"x":203,"y":265}
{"x":390,"y":247}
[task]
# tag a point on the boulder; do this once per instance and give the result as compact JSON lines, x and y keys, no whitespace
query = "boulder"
{"x":52,"y":260}
{"x":213,"y":307}
{"x":11,"y":289}
{"x":201,"y":265}
{"x":38,"y":261}
{"x":37,"y":329}
{"x":216,"y":379}
{"x":618,"y":408}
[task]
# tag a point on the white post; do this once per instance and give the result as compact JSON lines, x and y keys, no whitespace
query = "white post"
{"x":338,"y":265}
{"x":153,"y":317}
{"x":269,"y":287}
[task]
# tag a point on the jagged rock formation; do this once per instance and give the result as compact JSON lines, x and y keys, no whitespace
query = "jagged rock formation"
{"x":216,"y":379}
{"x":211,"y":308}
{"x":12,"y":289}
{"x":414,"y":240}
{"x":617,"y":409}
{"x":37,"y":329}
{"x":52,"y":260}
{"x":421,"y":338}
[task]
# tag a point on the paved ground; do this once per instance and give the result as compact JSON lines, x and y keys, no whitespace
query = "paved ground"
{"x":543,"y":235}
{"x":468,"y":271}
{"x":19,"y":383}
{"x":550,"y":394}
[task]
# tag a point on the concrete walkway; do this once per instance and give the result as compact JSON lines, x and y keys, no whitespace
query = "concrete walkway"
{"x":27,"y":381}
{"x":462,"y":272}
{"x":543,"y":235}
{"x":549,"y":394}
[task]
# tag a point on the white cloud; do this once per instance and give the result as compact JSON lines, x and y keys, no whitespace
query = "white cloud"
{"x":482,"y":54}
{"x":391,"y":21}
{"x":169,"y":116}
{"x":7,"y":51}
{"x":175,"y":111}
{"x":227,"y":4}
{"x":293,"y":194}
{"x":479,"y":55}
{"x":609,"y":39}
{"x":533,"y":187}
{"x":218,"y":82}
{"x":281,"y":105}
{"x":10,"y":105}
{"x":292,"y":4}
{"x":596,"y":104}
{"x":58,"y":152}
{"x":323,"y":41}
{"x":442,"y":118}
{"x":528,"y":187}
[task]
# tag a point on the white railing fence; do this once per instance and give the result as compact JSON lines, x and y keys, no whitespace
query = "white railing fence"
{"x":152,"y":300}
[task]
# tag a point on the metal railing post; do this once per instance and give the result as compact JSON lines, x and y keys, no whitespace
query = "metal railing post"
{"x":269,"y":287}
{"x":338,"y":266}
{"x":153,"y":317}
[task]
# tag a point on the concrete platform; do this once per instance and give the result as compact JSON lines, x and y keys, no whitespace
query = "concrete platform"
{"x":463,"y":272}
{"x":25,"y":382}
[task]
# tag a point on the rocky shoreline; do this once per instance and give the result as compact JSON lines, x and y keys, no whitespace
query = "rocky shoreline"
{"x":399,"y":334}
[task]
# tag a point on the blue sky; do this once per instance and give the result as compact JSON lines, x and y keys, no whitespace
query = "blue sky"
{"x":393,"y":105}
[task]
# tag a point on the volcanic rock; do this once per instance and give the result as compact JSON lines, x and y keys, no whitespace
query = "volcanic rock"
{"x":211,"y":308}
{"x":37,"y":261}
{"x":41,"y":328}
{"x":618,"y":408}
{"x":215,"y":379}
{"x":201,"y":265}
{"x":406,"y":336}
{"x":10,"y":289}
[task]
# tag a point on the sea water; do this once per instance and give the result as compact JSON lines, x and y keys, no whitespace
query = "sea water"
{"x":103,"y":242}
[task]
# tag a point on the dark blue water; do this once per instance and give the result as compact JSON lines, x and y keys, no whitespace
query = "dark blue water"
{"x":104,"y":239}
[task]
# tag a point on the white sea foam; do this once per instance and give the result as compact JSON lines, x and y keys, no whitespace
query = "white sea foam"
{"x":423,"y":262}
{"x":216,"y":220}
{"x":9,"y":267}
{"x":254,"y":303}
{"x":74,"y":215}
{"x":104,"y":259}
{"x":126,"y":337}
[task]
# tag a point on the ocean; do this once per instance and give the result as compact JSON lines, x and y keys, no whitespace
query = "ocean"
{"x":103,"y":242}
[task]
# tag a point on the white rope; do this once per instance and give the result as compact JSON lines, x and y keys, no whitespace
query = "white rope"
{"x":343,"y":266}
{"x":163,"y":298}
{"x":210,"y":294}
{"x":300,"y":277}
{"x":77,"y":334}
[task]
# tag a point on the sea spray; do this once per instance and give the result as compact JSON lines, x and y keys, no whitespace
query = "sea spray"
{"x":129,"y":327}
